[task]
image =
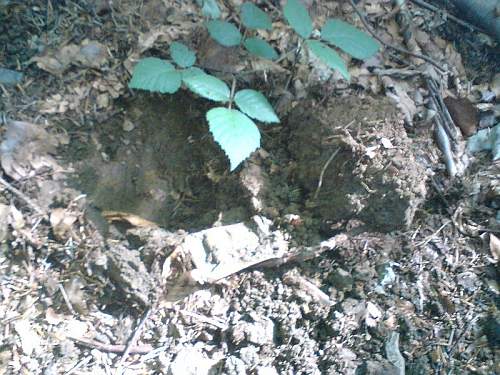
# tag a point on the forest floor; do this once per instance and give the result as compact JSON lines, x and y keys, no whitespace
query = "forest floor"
{"x":341,"y":246}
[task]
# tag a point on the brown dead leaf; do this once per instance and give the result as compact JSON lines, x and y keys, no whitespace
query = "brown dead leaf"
{"x":71,"y":100}
{"x":62,"y":222}
{"x":146,"y":40}
{"x":56,"y":62}
{"x":397,"y":91}
{"x":55,"y":104}
{"x":111,"y":85}
{"x":89,"y":54}
{"x":26,"y":148}
{"x":132,"y":219}
{"x":454,"y":59}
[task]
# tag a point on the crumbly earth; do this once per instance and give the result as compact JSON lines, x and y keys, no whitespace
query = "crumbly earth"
{"x":355,"y":161}
{"x":389,"y":265}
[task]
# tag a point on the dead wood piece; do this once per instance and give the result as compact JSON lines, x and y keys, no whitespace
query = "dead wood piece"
{"x":109,"y":348}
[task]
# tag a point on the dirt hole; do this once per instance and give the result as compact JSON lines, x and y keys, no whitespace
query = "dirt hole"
{"x":156,"y":159}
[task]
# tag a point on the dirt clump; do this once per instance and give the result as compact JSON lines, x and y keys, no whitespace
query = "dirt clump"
{"x":357,"y":163}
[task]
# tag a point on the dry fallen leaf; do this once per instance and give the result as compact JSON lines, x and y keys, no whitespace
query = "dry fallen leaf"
{"x":26,"y":148}
{"x":52,"y":317}
{"x":89,"y":54}
{"x":132,"y":219}
{"x":30,"y":341}
{"x":495,"y":247}
{"x":62,"y":223}
{"x":16,"y":218}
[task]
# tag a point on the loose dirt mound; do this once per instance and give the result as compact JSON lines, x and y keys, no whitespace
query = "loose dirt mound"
{"x":355,"y":161}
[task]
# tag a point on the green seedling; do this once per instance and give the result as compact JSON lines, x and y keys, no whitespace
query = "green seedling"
{"x":234,"y":129}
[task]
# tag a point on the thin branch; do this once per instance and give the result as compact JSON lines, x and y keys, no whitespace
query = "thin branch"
{"x":21,"y":195}
{"x":322,"y":174}
{"x":109,"y":348}
{"x":394,"y":47}
{"x":134,"y":338}
{"x":449,"y":16}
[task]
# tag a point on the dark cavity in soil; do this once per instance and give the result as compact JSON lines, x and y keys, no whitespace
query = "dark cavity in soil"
{"x":157,"y":160}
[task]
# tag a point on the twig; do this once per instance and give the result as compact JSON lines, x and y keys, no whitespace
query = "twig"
{"x":323,"y":170}
{"x":467,"y":328}
{"x":21,"y":195}
{"x":394,"y":47}
{"x":66,"y":299}
{"x":398,"y":72}
{"x":80,"y":364}
{"x":204,"y":319}
{"x":428,"y":239}
{"x":437,"y":98}
{"x":109,"y":348}
{"x":449,"y":16}
{"x":131,"y":342}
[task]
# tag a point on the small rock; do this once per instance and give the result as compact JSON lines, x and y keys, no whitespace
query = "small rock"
{"x":235,"y":366}
{"x":128,"y":125}
{"x":259,"y":332}
{"x":130,"y":275}
{"x":266,"y":370}
{"x":250,"y":355}
{"x":4,"y":224}
{"x":469,"y":281}
{"x":190,"y":361}
{"x":341,"y":280}
{"x":10,"y":77}
{"x":377,"y":368}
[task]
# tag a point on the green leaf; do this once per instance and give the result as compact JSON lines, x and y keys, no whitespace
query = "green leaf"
{"x":328,"y":56}
{"x":255,"y":105}
{"x":224,"y":33}
{"x":155,"y":75}
{"x":255,"y":18}
{"x":261,"y":48}
{"x":207,"y":86}
{"x":192,"y":71}
{"x":350,"y":39}
{"x":298,"y":17}
{"x":209,"y":8}
{"x":182,"y":55}
{"x":234,"y":132}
